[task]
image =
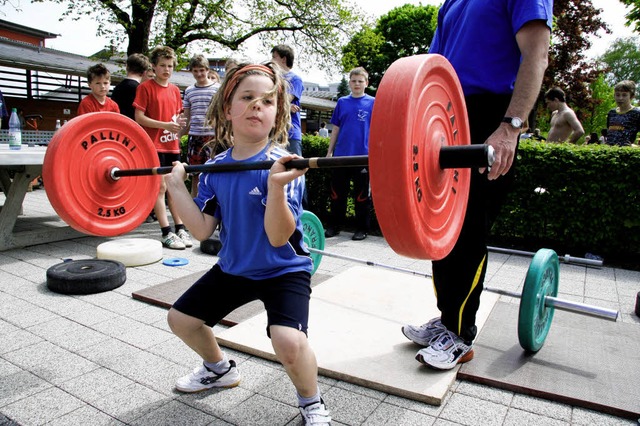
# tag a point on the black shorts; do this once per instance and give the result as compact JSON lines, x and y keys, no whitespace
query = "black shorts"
{"x":216,"y":294}
{"x":198,"y":152}
{"x":167,"y":158}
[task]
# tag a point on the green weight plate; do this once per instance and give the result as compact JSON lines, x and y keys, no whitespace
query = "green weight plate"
{"x":534,"y":319}
{"x":313,"y":236}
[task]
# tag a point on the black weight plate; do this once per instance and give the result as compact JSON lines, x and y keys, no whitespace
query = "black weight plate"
{"x":211,"y":246}
{"x":86,"y":276}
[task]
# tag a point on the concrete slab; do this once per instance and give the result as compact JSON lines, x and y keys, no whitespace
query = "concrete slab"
{"x":585,"y":362}
{"x":354,"y":329}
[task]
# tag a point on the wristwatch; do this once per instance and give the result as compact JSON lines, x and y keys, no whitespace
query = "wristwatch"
{"x":516,"y":122}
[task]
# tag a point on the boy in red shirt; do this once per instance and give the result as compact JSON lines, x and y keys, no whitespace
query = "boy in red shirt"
{"x":158,"y":107}
{"x":99,"y":80}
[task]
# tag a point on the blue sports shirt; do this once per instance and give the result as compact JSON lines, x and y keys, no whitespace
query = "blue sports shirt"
{"x":353,"y":117}
{"x":478,"y":38}
{"x":295,"y":88}
{"x":239,"y":199}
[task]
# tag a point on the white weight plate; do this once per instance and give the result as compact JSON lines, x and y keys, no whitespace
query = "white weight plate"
{"x":131,"y":251}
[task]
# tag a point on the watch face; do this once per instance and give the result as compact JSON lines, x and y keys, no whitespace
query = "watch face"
{"x":516,"y":122}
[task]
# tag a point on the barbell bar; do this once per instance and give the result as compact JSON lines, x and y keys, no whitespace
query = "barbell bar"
{"x":566,"y":258}
{"x":419,"y":163}
{"x":538,"y":299}
{"x":557,"y":303}
{"x":450,"y":157}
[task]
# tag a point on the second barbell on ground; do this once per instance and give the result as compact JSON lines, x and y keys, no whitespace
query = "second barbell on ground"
{"x":538,"y":299}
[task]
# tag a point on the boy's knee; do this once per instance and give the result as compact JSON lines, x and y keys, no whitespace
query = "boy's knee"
{"x":179,"y":323}
{"x":289,"y":346}
{"x":289,"y":353}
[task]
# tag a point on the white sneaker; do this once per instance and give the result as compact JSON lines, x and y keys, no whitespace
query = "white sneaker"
{"x":315,"y":414}
{"x":185,"y":238}
{"x":172,"y":241}
{"x":424,"y":334}
{"x":446,"y":352}
{"x":202,"y":378}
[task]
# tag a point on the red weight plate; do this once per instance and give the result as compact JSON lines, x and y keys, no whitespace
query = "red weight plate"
{"x":419,"y":108}
{"x":76,"y":170}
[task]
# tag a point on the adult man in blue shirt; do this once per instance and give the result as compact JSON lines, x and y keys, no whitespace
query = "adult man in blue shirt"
{"x":499,"y":49}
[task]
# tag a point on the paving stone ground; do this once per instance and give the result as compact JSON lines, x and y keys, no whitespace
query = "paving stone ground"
{"x":107,"y":359}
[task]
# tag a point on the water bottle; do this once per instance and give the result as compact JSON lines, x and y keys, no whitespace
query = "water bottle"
{"x":57,"y":124}
{"x":15,"y":130}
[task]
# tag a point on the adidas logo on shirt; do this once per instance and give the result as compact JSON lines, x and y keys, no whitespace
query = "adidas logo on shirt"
{"x":255,"y":191}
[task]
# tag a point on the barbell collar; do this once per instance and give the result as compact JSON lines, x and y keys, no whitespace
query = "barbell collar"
{"x":454,"y":157}
{"x":466,"y":156}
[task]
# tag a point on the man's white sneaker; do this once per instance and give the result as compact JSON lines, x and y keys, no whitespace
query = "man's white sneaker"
{"x":424,"y":334}
{"x":185,"y":238}
{"x":446,"y":352}
{"x":172,"y":241}
{"x":315,"y":414}
{"x":202,"y":378}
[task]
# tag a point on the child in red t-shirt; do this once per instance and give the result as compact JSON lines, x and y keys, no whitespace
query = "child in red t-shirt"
{"x":158,"y":107}
{"x":99,"y":80}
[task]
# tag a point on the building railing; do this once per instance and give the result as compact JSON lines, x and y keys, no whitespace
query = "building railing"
{"x":41,"y":85}
{"x":29,"y":137}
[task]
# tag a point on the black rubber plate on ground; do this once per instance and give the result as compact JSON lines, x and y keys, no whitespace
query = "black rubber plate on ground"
{"x":86,"y":276}
{"x":211,"y":246}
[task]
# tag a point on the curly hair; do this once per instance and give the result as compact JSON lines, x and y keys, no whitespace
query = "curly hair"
{"x":216,"y":113}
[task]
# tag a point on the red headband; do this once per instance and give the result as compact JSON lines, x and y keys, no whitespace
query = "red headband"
{"x":233,"y":82}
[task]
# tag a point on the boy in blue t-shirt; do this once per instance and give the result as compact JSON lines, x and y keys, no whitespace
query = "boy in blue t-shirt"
{"x":350,"y":136}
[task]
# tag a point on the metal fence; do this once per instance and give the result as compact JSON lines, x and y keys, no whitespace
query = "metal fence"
{"x":42,"y":85}
{"x":29,"y":137}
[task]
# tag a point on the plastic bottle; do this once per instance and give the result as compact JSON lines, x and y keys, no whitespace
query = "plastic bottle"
{"x":57,"y":124}
{"x":15,"y":130}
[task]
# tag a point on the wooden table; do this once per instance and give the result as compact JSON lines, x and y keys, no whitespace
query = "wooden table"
{"x":26,"y":165}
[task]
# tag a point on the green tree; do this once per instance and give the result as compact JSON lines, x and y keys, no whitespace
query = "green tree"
{"x":633,"y":17}
{"x":574,"y":22}
{"x":622,"y":59}
{"x":602,"y":94}
{"x":316,"y":27}
{"x":404,"y":31}
{"x":364,"y":50}
{"x":569,"y":69}
{"x":343,"y":87}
